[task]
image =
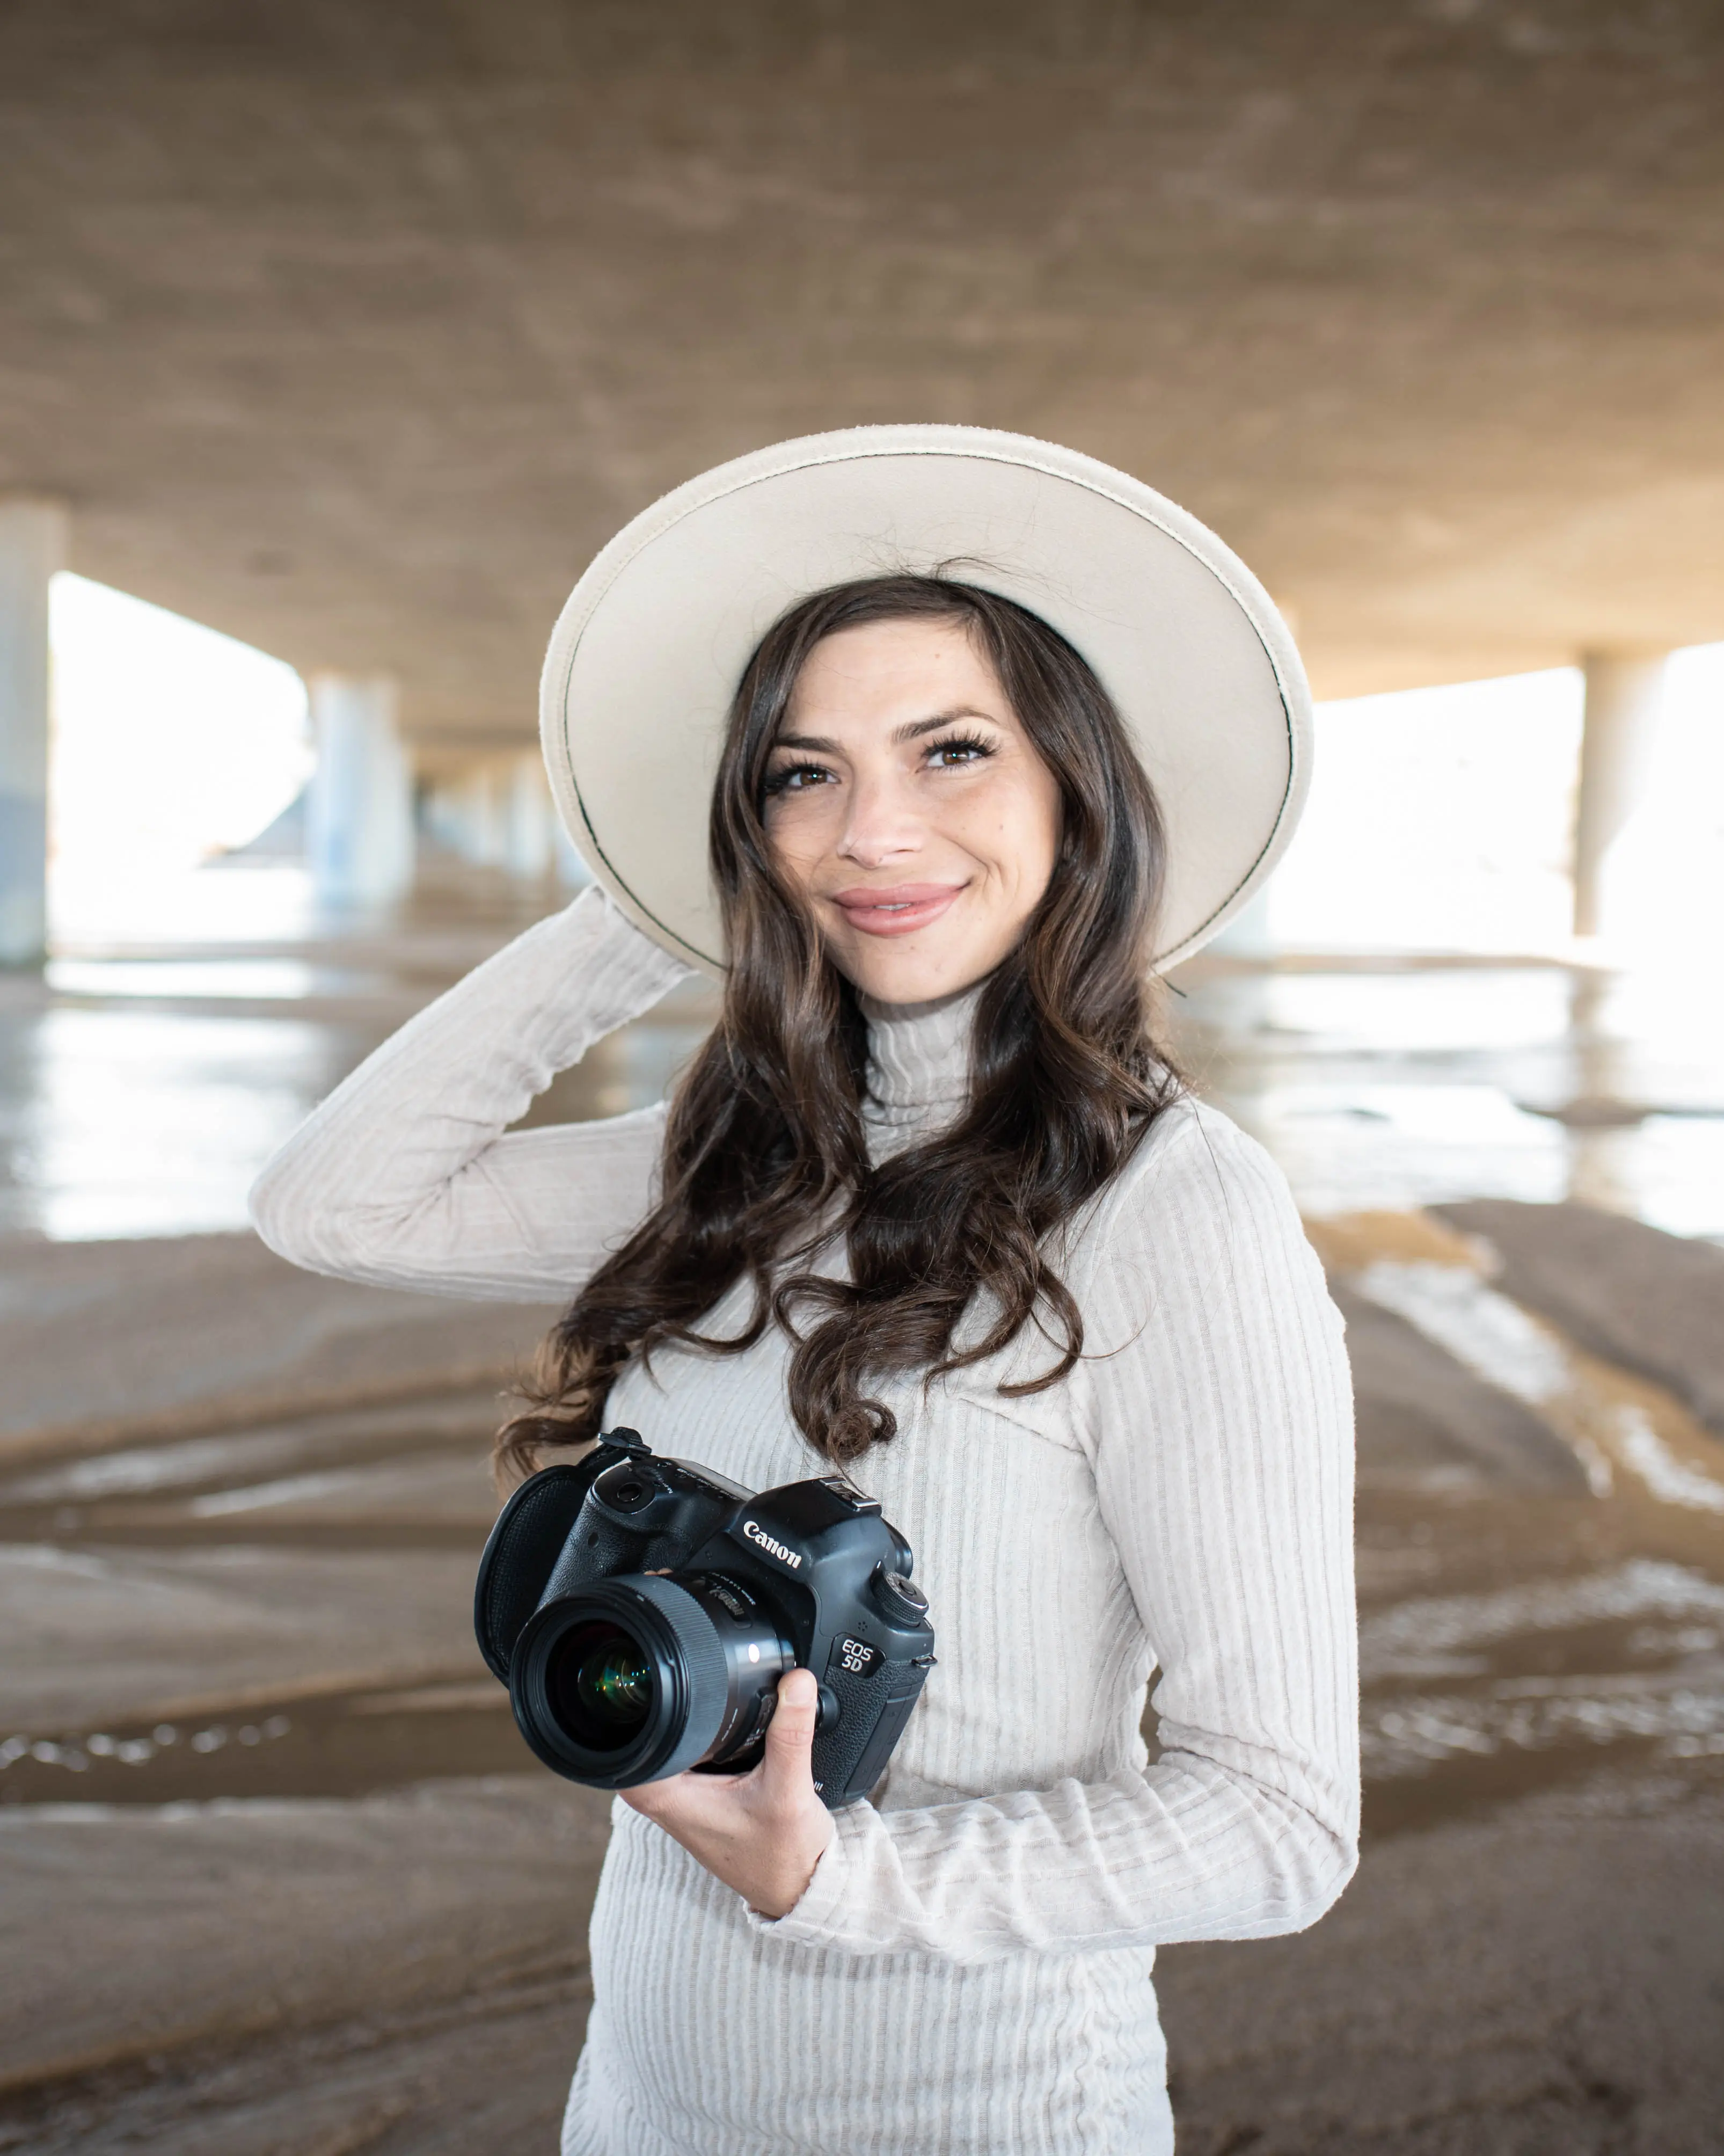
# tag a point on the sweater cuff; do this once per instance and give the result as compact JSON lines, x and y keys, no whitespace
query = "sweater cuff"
{"x":814,"y":1920}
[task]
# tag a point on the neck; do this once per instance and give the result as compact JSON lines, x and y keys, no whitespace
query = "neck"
{"x":918,"y":1066}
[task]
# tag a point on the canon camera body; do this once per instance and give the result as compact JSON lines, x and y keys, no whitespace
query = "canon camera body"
{"x":641,"y":1611}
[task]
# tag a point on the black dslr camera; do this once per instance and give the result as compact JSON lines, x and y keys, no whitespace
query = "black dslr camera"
{"x":641,"y":1612}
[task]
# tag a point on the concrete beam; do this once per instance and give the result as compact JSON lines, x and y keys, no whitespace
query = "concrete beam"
{"x":359,"y":834}
{"x":1287,"y":355}
{"x":33,"y":546}
{"x":1625,"y":696}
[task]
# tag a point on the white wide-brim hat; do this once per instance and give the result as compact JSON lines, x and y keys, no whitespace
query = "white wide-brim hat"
{"x":646,"y":656}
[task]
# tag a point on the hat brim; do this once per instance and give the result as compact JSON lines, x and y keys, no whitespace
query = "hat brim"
{"x":645,"y":657}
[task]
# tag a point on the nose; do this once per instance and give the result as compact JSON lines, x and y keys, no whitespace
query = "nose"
{"x":882,"y":823}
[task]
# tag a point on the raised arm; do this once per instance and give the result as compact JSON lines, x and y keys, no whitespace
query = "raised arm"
{"x":1222,"y":1430}
{"x":408,"y":1175}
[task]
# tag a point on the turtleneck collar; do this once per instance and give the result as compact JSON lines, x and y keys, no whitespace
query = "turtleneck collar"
{"x":918,"y":1066}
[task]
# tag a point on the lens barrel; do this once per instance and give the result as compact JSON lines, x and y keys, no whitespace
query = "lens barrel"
{"x":637,"y":1678}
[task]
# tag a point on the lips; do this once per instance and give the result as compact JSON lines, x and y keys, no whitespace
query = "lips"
{"x":897,"y":910}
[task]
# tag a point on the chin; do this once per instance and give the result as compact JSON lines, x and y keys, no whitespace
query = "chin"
{"x":912,"y":976}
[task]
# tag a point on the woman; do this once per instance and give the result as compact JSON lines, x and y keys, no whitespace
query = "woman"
{"x":927,"y":1204}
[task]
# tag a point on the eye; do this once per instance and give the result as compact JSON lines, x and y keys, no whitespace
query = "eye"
{"x":796,"y":778}
{"x":955,"y":749}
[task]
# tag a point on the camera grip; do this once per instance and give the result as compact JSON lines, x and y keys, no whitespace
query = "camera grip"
{"x":850,"y":1758}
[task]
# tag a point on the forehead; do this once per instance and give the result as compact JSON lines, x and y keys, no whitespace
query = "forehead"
{"x":882,"y":667}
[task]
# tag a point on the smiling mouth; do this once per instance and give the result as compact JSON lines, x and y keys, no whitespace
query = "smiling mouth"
{"x":895,"y":912}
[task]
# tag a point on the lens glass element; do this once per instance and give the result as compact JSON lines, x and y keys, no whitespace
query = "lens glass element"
{"x":601,"y":1686}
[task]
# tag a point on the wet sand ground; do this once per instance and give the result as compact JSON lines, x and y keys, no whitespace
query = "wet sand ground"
{"x":279,"y":1879}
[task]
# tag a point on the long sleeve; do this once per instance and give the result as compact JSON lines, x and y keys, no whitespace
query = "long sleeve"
{"x":408,"y":1175}
{"x":1218,"y":1408}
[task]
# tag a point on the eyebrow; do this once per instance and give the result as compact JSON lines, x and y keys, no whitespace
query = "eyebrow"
{"x":911,"y":730}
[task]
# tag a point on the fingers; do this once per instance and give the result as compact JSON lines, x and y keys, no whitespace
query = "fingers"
{"x":762,"y":1833}
{"x":790,"y":1733}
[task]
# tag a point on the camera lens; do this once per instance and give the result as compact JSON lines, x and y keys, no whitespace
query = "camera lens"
{"x":599,"y":1683}
{"x":642,"y":1676}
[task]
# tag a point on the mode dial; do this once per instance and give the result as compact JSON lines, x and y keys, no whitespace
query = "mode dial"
{"x":900,"y":1598}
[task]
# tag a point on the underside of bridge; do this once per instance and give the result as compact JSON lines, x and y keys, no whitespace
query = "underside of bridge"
{"x":353,"y":329}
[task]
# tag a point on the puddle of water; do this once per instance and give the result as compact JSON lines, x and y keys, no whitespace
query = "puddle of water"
{"x":251,"y":980}
{"x":377,"y":1474}
{"x":1406,"y":1086}
{"x":1371,"y":1080}
{"x":340,"y":1743}
{"x":1398,"y":1642}
{"x":1477,"y":1699}
{"x":207,"y":1099}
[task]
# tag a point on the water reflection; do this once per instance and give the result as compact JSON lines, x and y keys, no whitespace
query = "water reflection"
{"x":128,"y":1122}
{"x":144,"y":1081}
{"x":1379,"y":1084}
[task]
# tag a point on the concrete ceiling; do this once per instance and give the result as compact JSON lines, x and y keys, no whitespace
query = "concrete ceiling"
{"x":354,"y":326}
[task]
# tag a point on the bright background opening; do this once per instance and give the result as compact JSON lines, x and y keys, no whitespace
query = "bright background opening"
{"x":172,"y":744}
{"x":1442,"y":819}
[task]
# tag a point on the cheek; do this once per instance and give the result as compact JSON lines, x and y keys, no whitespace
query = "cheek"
{"x":796,"y":841}
{"x":1018,"y":831}
{"x":1045,"y":831}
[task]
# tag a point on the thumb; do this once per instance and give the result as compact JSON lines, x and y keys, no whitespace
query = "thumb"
{"x":790,"y":1733}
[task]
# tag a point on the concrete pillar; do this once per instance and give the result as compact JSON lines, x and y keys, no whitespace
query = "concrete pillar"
{"x":498,"y":813}
{"x":488,"y":816}
{"x":457,"y":817}
{"x":33,"y":546}
{"x":441,"y":815}
{"x":531,"y":818}
{"x":1624,"y":697}
{"x":359,"y":835}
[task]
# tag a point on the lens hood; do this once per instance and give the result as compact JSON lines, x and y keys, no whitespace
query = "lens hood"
{"x":662,"y":1689}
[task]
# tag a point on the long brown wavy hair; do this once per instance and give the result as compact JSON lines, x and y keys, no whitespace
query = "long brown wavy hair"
{"x":765,"y":1159}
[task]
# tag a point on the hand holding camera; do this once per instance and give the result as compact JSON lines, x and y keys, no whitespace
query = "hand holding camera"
{"x":653,"y":1621}
{"x":762,"y":1833}
{"x":642,"y":1611}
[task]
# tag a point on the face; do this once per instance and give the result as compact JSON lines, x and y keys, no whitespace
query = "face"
{"x":905,"y":801}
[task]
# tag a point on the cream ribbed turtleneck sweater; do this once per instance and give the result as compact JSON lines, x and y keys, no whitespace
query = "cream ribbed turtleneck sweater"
{"x":969,"y":1973}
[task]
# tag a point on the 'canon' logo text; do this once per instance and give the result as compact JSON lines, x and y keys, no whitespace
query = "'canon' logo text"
{"x":773,"y":1548}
